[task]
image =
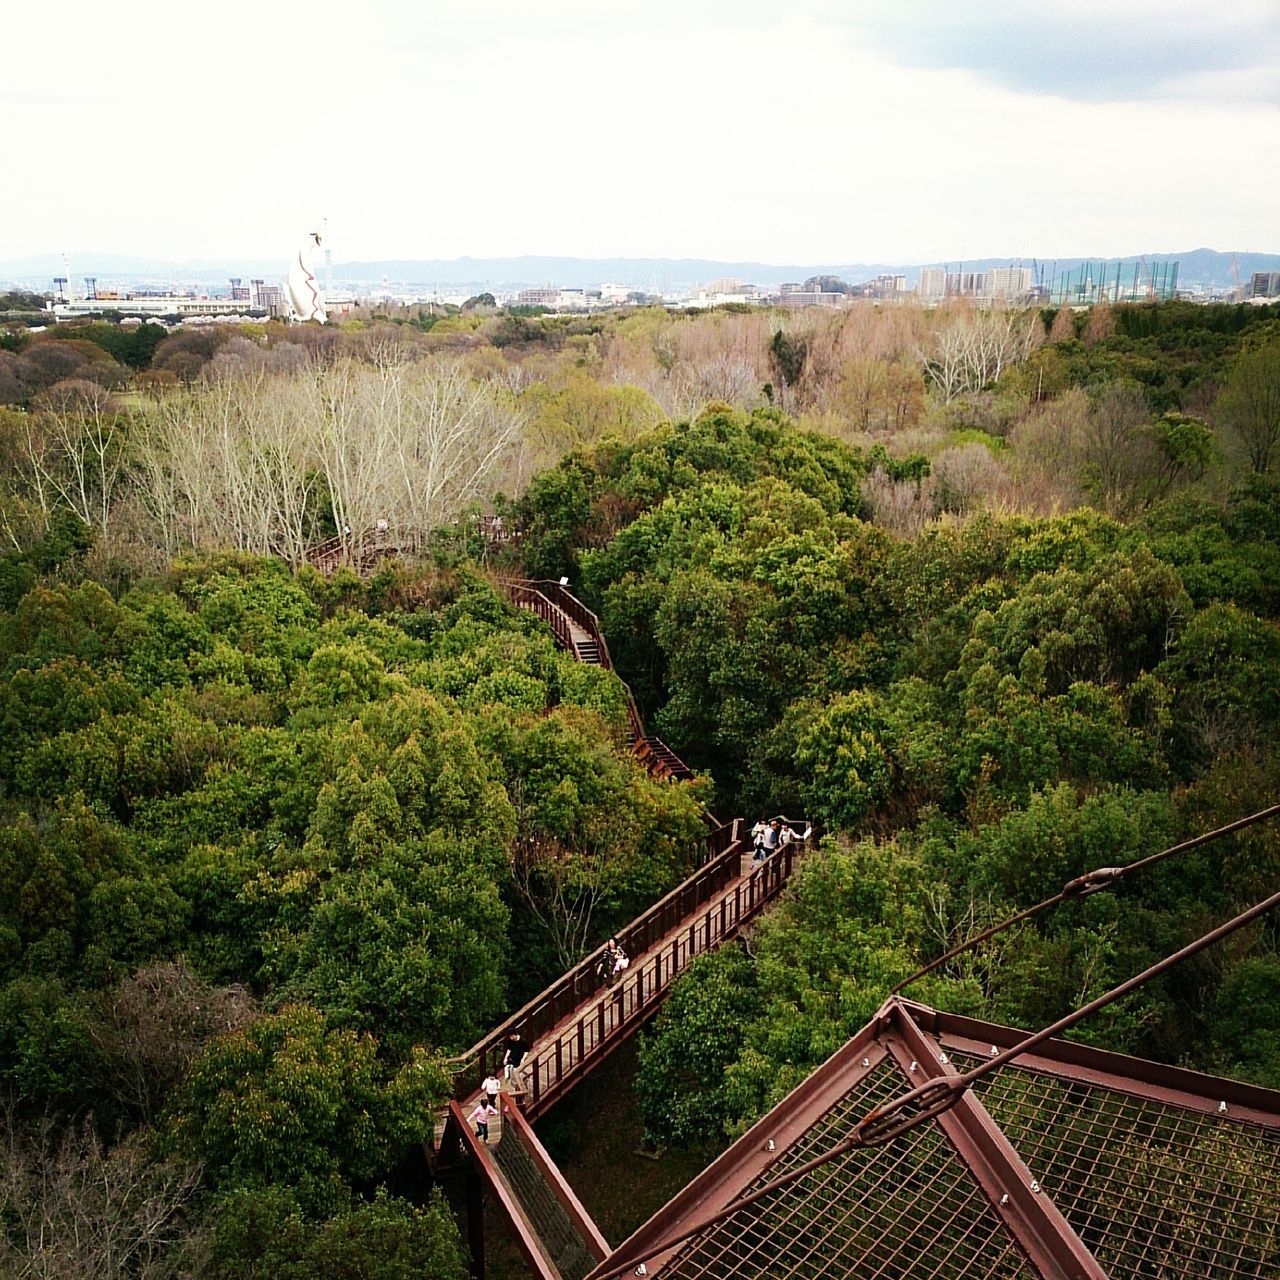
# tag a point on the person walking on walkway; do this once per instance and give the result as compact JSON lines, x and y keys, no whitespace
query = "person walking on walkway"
{"x":517,"y":1047}
{"x":491,"y":1085}
{"x":757,"y":840}
{"x":613,"y":960}
{"x":480,"y":1117}
{"x":772,"y":836}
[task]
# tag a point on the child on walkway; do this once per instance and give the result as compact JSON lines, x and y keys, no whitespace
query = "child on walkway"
{"x":481,"y":1116}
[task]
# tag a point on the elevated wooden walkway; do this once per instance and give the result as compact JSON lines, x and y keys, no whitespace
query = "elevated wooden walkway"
{"x":552,"y":1230}
{"x":581,"y":1018}
{"x":577,"y":630}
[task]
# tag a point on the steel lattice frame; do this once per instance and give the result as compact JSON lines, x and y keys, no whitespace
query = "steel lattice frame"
{"x":1073,"y":1162}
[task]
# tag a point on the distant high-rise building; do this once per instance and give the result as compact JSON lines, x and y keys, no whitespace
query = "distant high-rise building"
{"x":933,"y":282}
{"x":885,"y":286}
{"x":1008,"y":282}
{"x":268,"y":296}
{"x":965,"y":284}
{"x":1265,"y":284}
{"x":547,"y":297}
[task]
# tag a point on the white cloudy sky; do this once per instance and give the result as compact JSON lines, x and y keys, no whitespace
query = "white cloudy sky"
{"x":805,"y":131}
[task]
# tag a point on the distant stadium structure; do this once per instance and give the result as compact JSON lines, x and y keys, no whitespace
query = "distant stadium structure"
{"x":1094,"y":282}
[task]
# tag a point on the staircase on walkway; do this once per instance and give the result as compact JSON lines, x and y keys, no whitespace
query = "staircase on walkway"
{"x":577,"y":630}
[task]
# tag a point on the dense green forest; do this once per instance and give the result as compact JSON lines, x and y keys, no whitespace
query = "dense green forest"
{"x":276,"y":844}
{"x":981,"y":713}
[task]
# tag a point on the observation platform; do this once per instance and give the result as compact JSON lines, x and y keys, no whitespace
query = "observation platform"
{"x":1069,"y":1163}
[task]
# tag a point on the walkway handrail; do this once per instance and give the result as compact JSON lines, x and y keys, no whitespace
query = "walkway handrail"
{"x":556,"y":1065}
{"x":530,"y":596}
{"x":559,"y":604}
{"x":583,"y":981}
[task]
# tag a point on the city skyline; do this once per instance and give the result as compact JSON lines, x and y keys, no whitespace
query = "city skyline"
{"x":833,"y":133}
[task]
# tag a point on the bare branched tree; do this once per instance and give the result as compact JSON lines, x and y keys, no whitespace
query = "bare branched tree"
{"x":152,"y":1025}
{"x":238,"y":461}
{"x":76,"y":450}
{"x":562,"y":888}
{"x":75,"y":1210}
{"x":971,"y":349}
{"x":563,"y":883}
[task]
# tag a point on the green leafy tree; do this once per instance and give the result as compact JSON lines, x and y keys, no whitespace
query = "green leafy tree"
{"x":291,"y":1102}
{"x":1249,"y":404}
{"x":266,"y":1235}
{"x":681,"y":1086}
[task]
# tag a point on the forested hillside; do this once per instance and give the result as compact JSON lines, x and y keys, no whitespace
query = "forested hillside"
{"x":275,"y":845}
{"x":991,"y":595}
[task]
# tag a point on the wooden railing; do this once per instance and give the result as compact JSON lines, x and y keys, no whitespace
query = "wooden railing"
{"x":663,"y":941}
{"x":556,"y":1065}
{"x":558,"y":607}
{"x":529,"y":595}
{"x":551,"y":1005}
{"x":362,"y":553}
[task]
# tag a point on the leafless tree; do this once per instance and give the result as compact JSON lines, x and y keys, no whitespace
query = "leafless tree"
{"x":562,"y":887}
{"x":879,"y":395}
{"x":971,"y":349}
{"x":966,"y":478}
{"x":1117,"y":448}
{"x":1063,"y":328}
{"x":75,"y":1210}
{"x":76,"y":450}
{"x":1047,"y":454}
{"x":236,"y":460}
{"x":902,"y":506}
{"x":152,"y":1025}
{"x":1101,"y":323}
{"x":408,"y":445}
{"x":562,"y":883}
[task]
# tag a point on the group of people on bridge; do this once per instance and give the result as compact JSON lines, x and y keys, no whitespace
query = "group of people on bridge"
{"x":770,"y":836}
{"x":491,"y":1086}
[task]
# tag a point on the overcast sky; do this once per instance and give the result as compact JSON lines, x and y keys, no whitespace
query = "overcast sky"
{"x":798,"y":131}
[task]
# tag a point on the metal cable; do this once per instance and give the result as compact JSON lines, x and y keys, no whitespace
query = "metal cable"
{"x":939,"y":1095}
{"x":1083,"y":886}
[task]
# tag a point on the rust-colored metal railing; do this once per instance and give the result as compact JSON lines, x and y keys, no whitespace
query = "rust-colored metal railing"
{"x":576,"y":987}
{"x":580,"y":1019}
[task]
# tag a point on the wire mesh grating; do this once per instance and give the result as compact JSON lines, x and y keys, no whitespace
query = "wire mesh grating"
{"x":562,"y":1241}
{"x":906,"y":1211}
{"x":1153,"y":1189}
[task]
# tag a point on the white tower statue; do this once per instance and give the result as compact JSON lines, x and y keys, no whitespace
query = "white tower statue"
{"x":305,"y":296}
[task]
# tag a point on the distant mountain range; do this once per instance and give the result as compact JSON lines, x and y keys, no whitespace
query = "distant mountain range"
{"x":1206,"y":268}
